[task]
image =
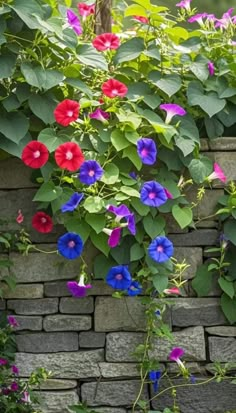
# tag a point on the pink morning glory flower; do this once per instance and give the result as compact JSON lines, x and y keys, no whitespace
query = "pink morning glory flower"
{"x":184,"y":4}
{"x":78,"y":289}
{"x":3,"y":362}
{"x":14,"y":386}
{"x":100,"y":114}
{"x":198,"y":18}
{"x":74,"y":22}
{"x":168,"y":194}
{"x":114,"y":236}
{"x":175,"y":355}
{"x":217,"y":174}
{"x":12,"y":321}
{"x":173,"y":290}
{"x":225,"y":20}
{"x":85,"y":10}
{"x":172,"y":110}
{"x":26,"y":397}
{"x":211,"y":68}
{"x":20,"y":217}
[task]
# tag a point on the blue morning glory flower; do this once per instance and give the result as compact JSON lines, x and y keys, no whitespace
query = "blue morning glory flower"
{"x":90,"y":172}
{"x":153,"y":194}
{"x":134,"y":289}
{"x":154,"y":376}
{"x":72,"y":203}
{"x":119,"y":277}
{"x":70,"y":245}
{"x":160,"y":249}
{"x":147,"y":151}
{"x":123,"y":211}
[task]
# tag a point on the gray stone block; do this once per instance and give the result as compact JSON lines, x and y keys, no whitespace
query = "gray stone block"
{"x":208,"y":205}
{"x":31,"y":307}
{"x":65,"y":365}
{"x":14,"y":174}
{"x":222,"y":331}
{"x":24,"y":291}
{"x":192,"y":256}
{"x":118,"y":370}
{"x":59,"y":289}
{"x":57,"y":402}
{"x":2,"y":304}
{"x":193,"y":368}
{"x":204,"y":144}
{"x":222,"y":144}
{"x":121,"y":346}
{"x":72,"y":305}
{"x":208,"y":398}
{"x":47,"y":342}
{"x":108,"y":410}
{"x":61,"y":322}
{"x":58,"y":384}
{"x":29,"y":323}
{"x":91,"y":339}
{"x":197,"y":311}
{"x":198,"y":237}
{"x":222,"y":349}
{"x":113,"y":393}
{"x":172,"y":226}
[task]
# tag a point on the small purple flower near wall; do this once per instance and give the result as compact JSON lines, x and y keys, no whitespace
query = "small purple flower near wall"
{"x":161,"y":249}
{"x":134,"y":289}
{"x":147,"y":151}
{"x":119,"y":277}
{"x":78,"y":289}
{"x":153,"y":194}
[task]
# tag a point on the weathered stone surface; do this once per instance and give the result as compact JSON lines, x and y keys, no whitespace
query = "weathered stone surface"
{"x":58,"y":384}
{"x":114,"y":370}
{"x":208,"y":205}
{"x":61,"y":322}
{"x":29,"y":323}
{"x":198,"y":237}
{"x":108,"y":410}
{"x":193,"y":257}
{"x":172,"y":226}
{"x":2,"y":304}
{"x":24,"y":291}
{"x":193,"y":368}
{"x":65,"y":365}
{"x":113,"y":393}
{"x":47,"y":342}
{"x":197,"y":311}
{"x":222,"y":331}
{"x":91,"y":339}
{"x":126,"y":314}
{"x":207,"y":224}
{"x":211,"y":368}
{"x":227,"y":163}
{"x":120,"y":346}
{"x":204,"y":144}
{"x":222,"y":349}
{"x":222,"y":144}
{"x":14,"y":174}
{"x":72,"y":305}
{"x":57,"y":402}
{"x":30,"y":307}
{"x":208,"y":398}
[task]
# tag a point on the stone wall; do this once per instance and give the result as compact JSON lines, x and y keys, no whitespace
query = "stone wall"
{"x":88,"y":343}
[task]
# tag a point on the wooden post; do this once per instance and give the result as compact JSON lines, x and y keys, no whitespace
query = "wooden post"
{"x":103,"y":16}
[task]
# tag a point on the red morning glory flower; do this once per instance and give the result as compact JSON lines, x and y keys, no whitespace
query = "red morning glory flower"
{"x":141,"y":19}
{"x":74,"y":22}
{"x":172,"y":110}
{"x":106,"y":41}
{"x":42,"y":222}
{"x":67,"y":112}
{"x":113,"y":88}
{"x":35,"y":154}
{"x":69,"y":156}
{"x":85,"y":10}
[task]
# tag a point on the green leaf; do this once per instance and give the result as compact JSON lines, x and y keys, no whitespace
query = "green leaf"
{"x":41,"y":78}
{"x":47,"y":192}
{"x":94,"y":204}
{"x":11,"y":103}
{"x":210,"y":103}
{"x":160,"y":282}
{"x":14,"y":126}
{"x":202,"y":281}
{"x":96,"y":221}
{"x":100,"y":241}
{"x":200,"y":169}
{"x":131,"y":154}
{"x":118,"y":140}
{"x":78,"y":84}
{"x":27,"y":10}
{"x":101,"y":266}
{"x":129,"y":50}
{"x":200,"y":70}
{"x":13,"y":148}
{"x":184,"y":216}
{"x":49,"y":138}
{"x":80,"y":228}
{"x":136,"y":252}
{"x":154,"y":226}
{"x":7,"y":65}
{"x":43,"y":107}
{"x":135,"y":10}
{"x":170,"y":84}
{"x":111,"y":174}
{"x":185,"y":145}
{"x":227,"y":287}
{"x":142,"y":209}
{"x":130,"y":191}
{"x":228,"y":306}
{"x":230,"y":230}
{"x":89,"y":56}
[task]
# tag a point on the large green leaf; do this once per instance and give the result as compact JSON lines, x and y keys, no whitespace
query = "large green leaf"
{"x":39,"y":77}
{"x":230,"y":230}
{"x":27,"y":10}
{"x":81,"y":228}
{"x":14,"y":126}
{"x":96,"y":221}
{"x":185,"y":145}
{"x":200,"y":169}
{"x":7,"y":65}
{"x":131,"y":154}
{"x":111,"y":174}
{"x":227,"y":286}
{"x":170,"y":84}
{"x":154,"y":226}
{"x":228,"y":306}
{"x":100,"y":241}
{"x":102,"y":265}
{"x":78,"y":84}
{"x":136,"y":252}
{"x":160,"y":282}
{"x":89,"y":56}
{"x":129,"y":50}
{"x":12,"y":148}
{"x":118,"y":140}
{"x":210,"y":103}
{"x":43,"y":107}
{"x":93,"y":204}
{"x":47,"y":192}
{"x":202,"y":281}
{"x":183,"y":216}
{"x":50,"y":139}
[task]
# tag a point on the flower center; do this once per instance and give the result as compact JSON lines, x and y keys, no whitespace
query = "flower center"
{"x":43,"y":220}
{"x":160,"y":248}
{"x":70,"y":113}
{"x":69,"y":155}
{"x":107,"y":44}
{"x":36,"y":154}
{"x":119,"y":277}
{"x":115,"y":92}
{"x":151,"y":195}
{"x":91,"y":172}
{"x":71,"y":244}
{"x":144,"y":152}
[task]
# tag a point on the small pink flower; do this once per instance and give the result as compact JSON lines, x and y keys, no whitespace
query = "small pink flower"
{"x":217,"y":174}
{"x":85,"y":10}
{"x":173,"y":290}
{"x":198,"y":18}
{"x":211,"y":68}
{"x":172,"y":110}
{"x":12,"y":321}
{"x":175,"y":355}
{"x":100,"y":115}
{"x":20,"y":217}
{"x":184,"y":4}
{"x":26,"y":397}
{"x":3,"y":362}
{"x":114,"y":236}
{"x":141,"y":19}
{"x":14,"y":386}
{"x":14,"y":369}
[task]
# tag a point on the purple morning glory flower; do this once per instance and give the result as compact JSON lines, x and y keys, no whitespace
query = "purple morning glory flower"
{"x":172,"y":110}
{"x":198,"y":18}
{"x":133,"y":175}
{"x":160,"y":249}
{"x":3,"y":362}
{"x":14,"y":386}
{"x":114,"y":236}
{"x":70,"y":245}
{"x":154,"y":376}
{"x":119,"y":277}
{"x":147,"y":151}
{"x":12,"y":321}
{"x":14,"y":369}
{"x":153,"y":194}
{"x":100,"y":114}
{"x":78,"y":289}
{"x":74,"y":22}
{"x":90,"y":172}
{"x":134,"y":289}
{"x":211,"y":68}
{"x":225,"y":21}
{"x":192,"y":379}
{"x":123,"y":211}
{"x":72,"y":203}
{"x":175,"y":355}
{"x":184,"y":4}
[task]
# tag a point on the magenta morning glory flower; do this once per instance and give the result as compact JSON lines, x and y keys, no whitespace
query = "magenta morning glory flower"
{"x":147,"y":150}
{"x":100,"y":114}
{"x":173,"y":290}
{"x":90,"y":172}
{"x":74,"y":22}
{"x":123,"y":211}
{"x":168,"y":194}
{"x":3,"y":362}
{"x":114,"y":236}
{"x":211,"y":68}
{"x":172,"y":110}
{"x":14,"y":386}
{"x":184,"y":4}
{"x":175,"y":355}
{"x":160,"y":249}
{"x":217,"y":174}
{"x":12,"y":321}
{"x":198,"y":18}
{"x":78,"y":289}
{"x":119,"y":277}
{"x":153,"y":194}
{"x":225,"y":20}
{"x":72,"y":203}
{"x":14,"y":369}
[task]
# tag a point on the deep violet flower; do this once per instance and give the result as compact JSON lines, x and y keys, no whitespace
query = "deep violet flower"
{"x":35,"y":154}
{"x":154,"y":376}
{"x":20,"y":217}
{"x":72,"y":203}
{"x":217,"y":174}
{"x":175,"y":355}
{"x":42,"y":222}
{"x":141,"y":19}
{"x":184,"y":4}
{"x":69,"y":156}
{"x":12,"y":321}
{"x":172,"y":110}
{"x":211,"y":68}
{"x":74,"y":22}
{"x":90,"y":172}
{"x":160,"y":249}
{"x":14,"y":386}
{"x":78,"y":289}
{"x":106,"y":41}
{"x":14,"y":369}
{"x":3,"y":362}
{"x":119,"y":277}
{"x":153,"y":194}
{"x":123,"y":211}
{"x":113,"y":88}
{"x":114,"y":236}
{"x":100,"y":114}
{"x":67,"y":112}
{"x":134,"y":289}
{"x":70,"y":245}
{"x":147,"y":150}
